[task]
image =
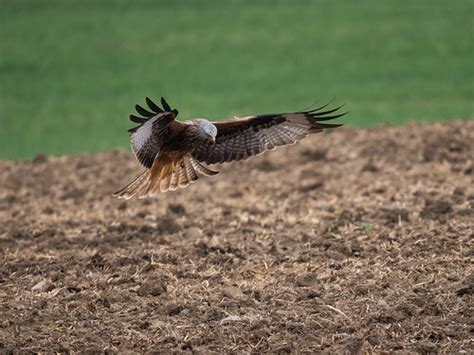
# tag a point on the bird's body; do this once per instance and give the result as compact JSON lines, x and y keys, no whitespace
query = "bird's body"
{"x":173,"y":152}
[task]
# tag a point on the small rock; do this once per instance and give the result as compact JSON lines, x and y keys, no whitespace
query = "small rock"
{"x":382,"y":303}
{"x":307,"y":280}
{"x":42,"y":286}
{"x":193,"y":233}
{"x":233,"y":292}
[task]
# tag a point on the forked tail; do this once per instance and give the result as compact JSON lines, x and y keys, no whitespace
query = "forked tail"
{"x":165,"y":177}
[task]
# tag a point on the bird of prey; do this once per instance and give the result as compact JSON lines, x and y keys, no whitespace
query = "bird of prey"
{"x":174,"y":153}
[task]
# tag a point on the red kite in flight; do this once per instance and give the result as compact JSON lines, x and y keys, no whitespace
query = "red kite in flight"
{"x":173,"y":152}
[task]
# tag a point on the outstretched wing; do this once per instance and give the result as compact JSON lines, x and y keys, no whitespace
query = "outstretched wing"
{"x":241,"y":138}
{"x":147,"y":138}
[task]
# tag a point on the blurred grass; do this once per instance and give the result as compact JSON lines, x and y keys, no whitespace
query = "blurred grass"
{"x":71,"y":71}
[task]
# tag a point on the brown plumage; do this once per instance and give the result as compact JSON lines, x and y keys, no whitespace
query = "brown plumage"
{"x":172,"y":152}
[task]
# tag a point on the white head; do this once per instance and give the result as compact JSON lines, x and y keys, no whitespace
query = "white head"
{"x":207,"y":129}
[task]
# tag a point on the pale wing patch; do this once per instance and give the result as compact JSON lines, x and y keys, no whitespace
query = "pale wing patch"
{"x":141,"y":136}
{"x":146,"y":140}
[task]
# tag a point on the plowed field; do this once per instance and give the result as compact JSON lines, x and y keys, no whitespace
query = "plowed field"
{"x":351,"y":241}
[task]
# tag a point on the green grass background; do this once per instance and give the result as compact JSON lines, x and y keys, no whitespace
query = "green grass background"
{"x":71,"y":71}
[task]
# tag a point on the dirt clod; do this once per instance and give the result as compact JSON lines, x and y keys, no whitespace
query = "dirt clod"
{"x":233,"y":292}
{"x":435,"y":209}
{"x":193,"y":233}
{"x":152,"y":288}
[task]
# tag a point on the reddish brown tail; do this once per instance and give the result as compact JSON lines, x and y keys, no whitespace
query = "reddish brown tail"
{"x":165,"y":177}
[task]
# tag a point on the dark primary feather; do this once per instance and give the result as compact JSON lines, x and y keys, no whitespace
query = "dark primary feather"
{"x":144,"y":112}
{"x":320,"y":116}
{"x":154,"y":107}
{"x":242,"y":138}
{"x":166,"y":107}
{"x":155,"y":110}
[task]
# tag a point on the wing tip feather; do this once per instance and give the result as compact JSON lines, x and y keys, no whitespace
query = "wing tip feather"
{"x":155,"y":110}
{"x":317,"y":115}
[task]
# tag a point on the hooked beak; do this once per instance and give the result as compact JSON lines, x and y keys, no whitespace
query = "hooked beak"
{"x":212,"y":139}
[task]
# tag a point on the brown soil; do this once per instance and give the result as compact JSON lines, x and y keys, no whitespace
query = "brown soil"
{"x":352,"y":241}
